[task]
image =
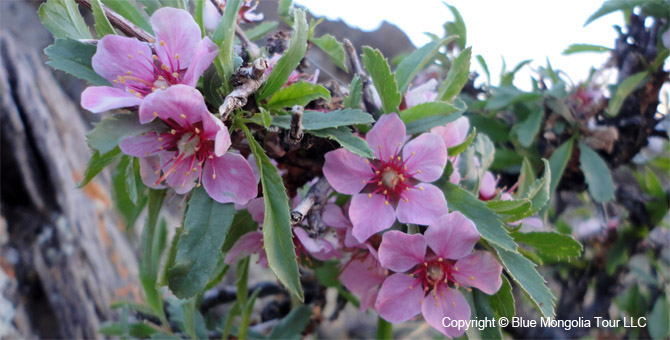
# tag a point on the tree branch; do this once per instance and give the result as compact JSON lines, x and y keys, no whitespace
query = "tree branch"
{"x":251,"y":79}
{"x":312,"y":205}
{"x":123,"y":24}
{"x":368,"y":100}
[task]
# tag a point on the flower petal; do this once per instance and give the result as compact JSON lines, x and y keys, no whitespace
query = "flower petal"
{"x":116,"y":55}
{"x":387,"y":136}
{"x":180,"y":103}
{"x":334,"y":217}
{"x":453,"y":133}
{"x":452,"y":236}
{"x":141,"y":145}
{"x":183,"y":178}
{"x":425,"y":155}
{"x":318,"y":248}
{"x":400,"y":252}
{"x":246,"y":245}
{"x":369,"y":215}
{"x":256,"y":208}
{"x":346,"y":172}
{"x":148,"y":167}
{"x":480,"y":270}
{"x":422,"y":206}
{"x":363,"y":275}
{"x":421,"y":94}
{"x":487,"y":188}
{"x":104,"y":98}
{"x":222,"y":142}
{"x":445,"y":304}
{"x":234,"y":180}
{"x":399,"y":298}
{"x":204,"y":54}
{"x":176,"y":34}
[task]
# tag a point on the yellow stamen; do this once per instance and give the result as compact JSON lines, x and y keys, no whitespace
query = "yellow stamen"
{"x":369,"y":195}
{"x":139,"y":52}
{"x":155,"y":57}
{"x":472,"y":278}
{"x":418,"y":171}
{"x":155,"y":114}
{"x":138,"y":95}
{"x":162,"y":42}
{"x":173,"y":131}
{"x":160,"y":139}
{"x":183,"y":116}
{"x":411,"y":287}
{"x":175,"y":74}
{"x":455,"y":269}
{"x":421,"y":188}
{"x":213,"y":176}
{"x":386,"y":203}
{"x":406,"y":199}
{"x":197,"y":130}
{"x":130,"y":56}
{"x":129,"y":73}
{"x":440,"y":259}
{"x":176,"y":56}
{"x":453,"y":303}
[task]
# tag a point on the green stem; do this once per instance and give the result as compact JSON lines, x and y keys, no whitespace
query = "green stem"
{"x":384,"y":329}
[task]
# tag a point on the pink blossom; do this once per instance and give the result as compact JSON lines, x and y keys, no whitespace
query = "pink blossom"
{"x":421,"y":94}
{"x":363,"y":275}
{"x":295,"y":76}
{"x":390,"y":185}
{"x":246,"y":13}
{"x":189,"y":148}
{"x":181,"y":56}
{"x":453,"y":133}
{"x":487,"y":187}
{"x":438,"y":263}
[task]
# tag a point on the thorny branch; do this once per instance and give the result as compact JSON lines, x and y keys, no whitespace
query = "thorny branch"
{"x":251,"y":79}
{"x":312,"y":205}
{"x":123,"y":24}
{"x":368,"y":100}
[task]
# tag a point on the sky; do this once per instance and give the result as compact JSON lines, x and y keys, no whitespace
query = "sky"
{"x":514,"y":29}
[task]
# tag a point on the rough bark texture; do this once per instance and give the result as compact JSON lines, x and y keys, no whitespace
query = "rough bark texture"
{"x":63,"y":253}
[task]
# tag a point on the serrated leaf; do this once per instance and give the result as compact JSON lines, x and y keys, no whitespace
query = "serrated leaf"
{"x":485,"y":67}
{"x":526,"y":178}
{"x":551,"y":244}
{"x":382,"y":78}
{"x":502,"y":302}
{"x":333,"y":48}
{"x":581,"y":48}
{"x":484,"y":311}
{"x":558,"y":161}
{"x":487,"y":222}
{"x":292,"y":325}
{"x":206,"y":225}
{"x":261,"y":30}
{"x":300,"y":93}
{"x":417,"y":61}
{"x":538,"y":192}
{"x":110,"y":131}
{"x":102,"y":25}
{"x":457,"y":149}
{"x":353,"y":100}
{"x":613,"y":6}
{"x":596,"y":174}
{"x":74,"y":57}
{"x":528,"y":129}
{"x":97,"y":163}
{"x":425,"y":124}
{"x":523,"y":272}
{"x":315,"y":120}
{"x":510,"y":207}
{"x":277,"y":233}
{"x":625,"y":88}
{"x":456,"y":77}
{"x":289,"y":60}
{"x":128,"y":10}
{"x":63,"y":19}
{"x":347,"y":140}
{"x":425,"y":110}
{"x":149,"y":262}
{"x":224,"y":37}
{"x":456,"y":27}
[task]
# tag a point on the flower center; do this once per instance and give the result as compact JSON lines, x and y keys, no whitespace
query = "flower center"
{"x":390,"y":178}
{"x":163,"y":75}
{"x":188,"y":144}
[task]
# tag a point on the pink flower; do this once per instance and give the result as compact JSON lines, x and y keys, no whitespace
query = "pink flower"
{"x":295,"y":76}
{"x":421,"y":94}
{"x":191,"y":146}
{"x":453,"y":133}
{"x":438,"y":262}
{"x":182,"y":55}
{"x":363,"y":275}
{"x":390,"y":185}
{"x":487,"y":187}
{"x":212,"y":15}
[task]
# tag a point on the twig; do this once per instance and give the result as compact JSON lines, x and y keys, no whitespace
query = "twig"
{"x":312,"y":204}
{"x":251,"y":79}
{"x":368,"y":100}
{"x":295,"y":132}
{"x":253,"y":48}
{"x":123,"y":24}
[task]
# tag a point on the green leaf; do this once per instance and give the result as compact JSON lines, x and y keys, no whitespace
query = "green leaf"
{"x":315,"y":120}
{"x":523,"y":272}
{"x":262,"y":118}
{"x":124,"y":182}
{"x":487,"y":222}
{"x":242,"y":224}
{"x":108,"y":133}
{"x":206,"y":225}
{"x":292,"y":325}
{"x":457,"y":149}
{"x":347,"y":140}
{"x":152,"y":6}
{"x":102,"y":25}
{"x":502,"y":302}
{"x":129,"y":11}
{"x":507,"y":95}
{"x":151,"y":253}
{"x":383,"y":79}
{"x":624,"y":89}
{"x":509,"y":207}
{"x":425,"y":124}
{"x":97,"y":163}
{"x":596,"y":174}
{"x":300,"y":93}
{"x":456,"y":27}
{"x":558,"y":161}
{"x":63,"y":19}
{"x":485,"y":67}
{"x":384,"y":329}
{"x":261,"y":30}
{"x":538,"y":192}
{"x":74,"y":57}
{"x":138,"y":329}
{"x":528,"y":129}
{"x":581,"y":48}
{"x":483,"y":310}
{"x":198,"y":15}
{"x":485,"y":150}
{"x":211,"y":83}
{"x":224,"y":37}
{"x":613,"y":6}
{"x":417,"y":61}
{"x":286,"y":11}
{"x":551,"y":244}
{"x":333,"y":48}
{"x":456,"y":77}
{"x":353,"y":100}
{"x":277,"y":233}
{"x":526,"y":179}
{"x":658,"y":319}
{"x":289,"y":60}
{"x":425,"y":110}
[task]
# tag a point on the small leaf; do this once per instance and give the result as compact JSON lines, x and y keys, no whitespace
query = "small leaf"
{"x":353,"y":100}
{"x":558,"y":161}
{"x":624,"y":89}
{"x":150,"y":259}
{"x":138,"y":329}
{"x":285,"y":11}
{"x":456,"y":77}
{"x":502,"y":302}
{"x":277,"y":233}
{"x":63,"y":19}
{"x":613,"y":6}
{"x":510,"y":207}
{"x":74,"y":57}
{"x":507,"y":95}
{"x":523,"y":272}
{"x":484,"y":311}
{"x":457,"y":149}
{"x":289,"y":60}
{"x":315,"y":120}
{"x":224,"y":37}
{"x":206,"y":225}
{"x":658,"y":319}
{"x":538,"y":192}
{"x":211,"y":83}
{"x":153,"y":5}
{"x":526,"y":178}
{"x":555,"y":245}
{"x":425,"y":124}
{"x":417,"y":61}
{"x":129,"y":11}
{"x":596,"y":174}
{"x":383,"y":79}
{"x":425,"y":110}
{"x":485,"y":67}
{"x":292,"y":325}
{"x":528,"y":129}
{"x":456,"y":27}
{"x":347,"y":140}
{"x":261,"y":30}
{"x":581,"y":48}
{"x":123,"y":181}
{"x":333,"y":48}
{"x":102,"y":25}
{"x":198,"y":14}
{"x":110,"y":131}
{"x":242,"y":224}
{"x":97,"y":163}
{"x":300,"y":93}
